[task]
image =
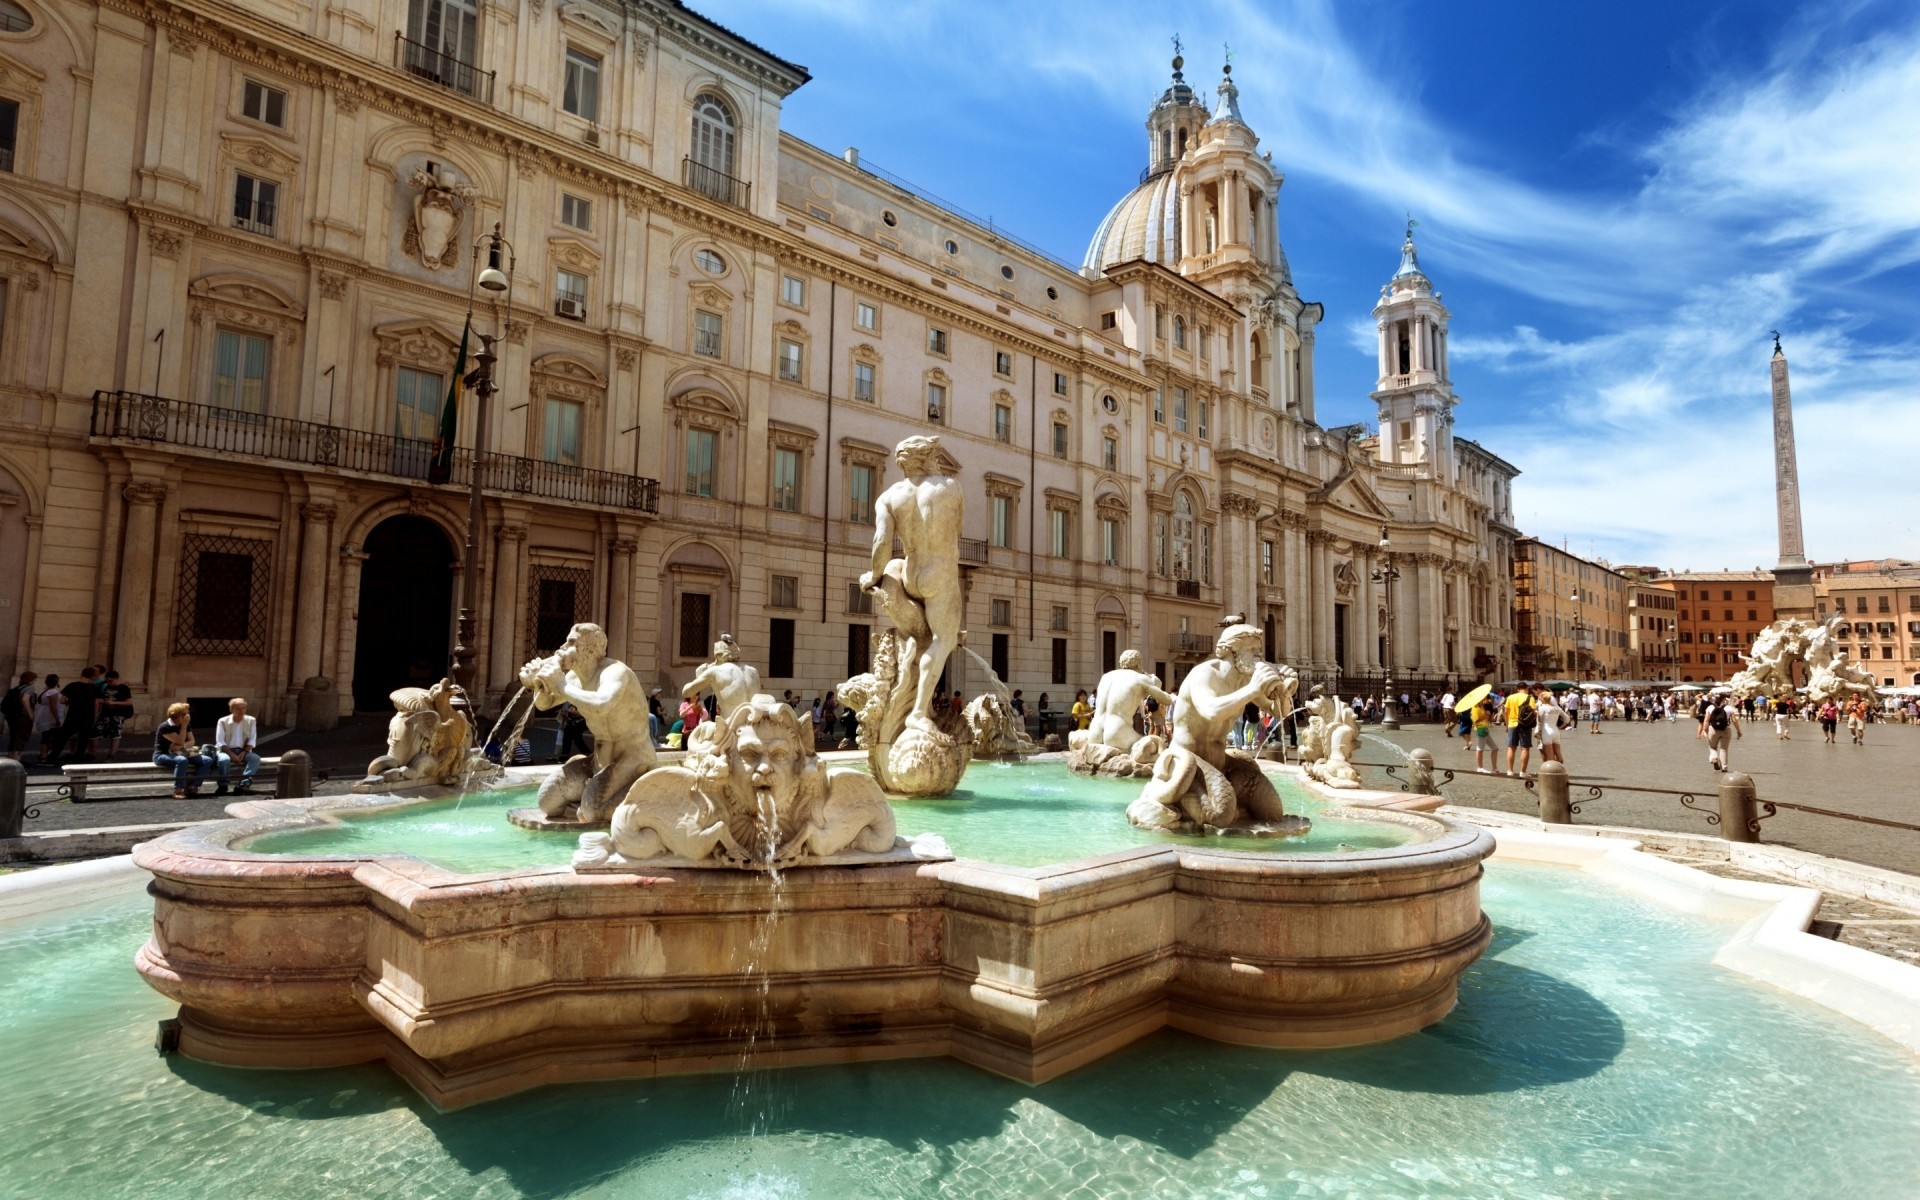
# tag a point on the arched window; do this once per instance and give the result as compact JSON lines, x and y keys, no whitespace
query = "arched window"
{"x":1180,"y":332}
{"x":1259,"y":364}
{"x":712,"y":133}
{"x":1183,"y":536}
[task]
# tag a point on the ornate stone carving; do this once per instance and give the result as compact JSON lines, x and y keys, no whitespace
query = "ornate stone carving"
{"x":1199,"y":784}
{"x":333,"y":285}
{"x":1239,"y":504}
{"x":164,"y":242}
{"x":1326,"y":745}
{"x":626,"y":357}
{"x":1109,"y":745}
{"x":513,"y":533}
{"x":1345,"y":578}
{"x":1793,"y":641}
{"x":345,"y":102}
{"x":318,"y":514}
{"x":610,"y":697}
{"x":625,"y":547}
{"x":144,"y":493}
{"x":439,"y":210}
{"x":428,"y":742}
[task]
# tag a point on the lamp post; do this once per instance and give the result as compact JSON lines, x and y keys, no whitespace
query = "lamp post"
{"x":1582,"y":641}
{"x":1386,"y":573}
{"x":497,"y":283}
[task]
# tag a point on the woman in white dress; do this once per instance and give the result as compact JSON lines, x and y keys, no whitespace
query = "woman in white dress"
{"x":49,"y":713}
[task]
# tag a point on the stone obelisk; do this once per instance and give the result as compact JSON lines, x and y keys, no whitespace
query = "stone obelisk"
{"x":1792,"y":578}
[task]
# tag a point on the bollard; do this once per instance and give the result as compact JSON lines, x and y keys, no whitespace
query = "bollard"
{"x":1420,"y":774}
{"x":1737,"y":808}
{"x":13,"y":797}
{"x":1555,"y":806}
{"x":294,"y":781}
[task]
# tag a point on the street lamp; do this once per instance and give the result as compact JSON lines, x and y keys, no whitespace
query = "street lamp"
{"x":498,"y":285}
{"x":1582,"y":637}
{"x":1386,"y":573}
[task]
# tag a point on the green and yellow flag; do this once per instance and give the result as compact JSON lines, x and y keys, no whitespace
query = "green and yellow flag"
{"x":440,"y":470}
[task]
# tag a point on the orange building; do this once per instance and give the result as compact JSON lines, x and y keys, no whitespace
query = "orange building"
{"x":1717,"y":615}
{"x":1880,"y":606}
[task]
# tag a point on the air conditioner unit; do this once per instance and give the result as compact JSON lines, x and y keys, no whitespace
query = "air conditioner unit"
{"x":591,"y":136}
{"x":570,"y":308}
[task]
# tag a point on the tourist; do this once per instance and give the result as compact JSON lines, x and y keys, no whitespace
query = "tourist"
{"x":1720,"y":725}
{"x":1082,"y":711}
{"x":829,"y":716}
{"x":49,"y":713}
{"x":234,"y":738}
{"x":849,"y":725}
{"x":1523,"y":715}
{"x":1045,"y":711}
{"x":116,"y":709}
{"x":174,"y":746}
{"x":1780,"y":719}
{"x":1594,"y":702}
{"x":1483,"y":749}
{"x":80,"y":701}
{"x":955,"y":706}
{"x":656,"y":719}
{"x":1829,"y":722}
{"x":1020,"y":708}
{"x":691,"y":714}
{"x":17,"y":707}
{"x":1857,"y":720}
{"x":1552,"y":719}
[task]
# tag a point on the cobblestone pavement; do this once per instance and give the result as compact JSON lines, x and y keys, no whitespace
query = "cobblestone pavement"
{"x":1879,"y":779}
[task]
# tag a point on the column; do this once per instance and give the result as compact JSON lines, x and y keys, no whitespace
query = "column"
{"x":346,"y":643}
{"x":620,"y":595}
{"x":1323,"y":598}
{"x":136,"y":579}
{"x":1366,"y":563}
{"x":1432,"y":622}
{"x":509,"y":539}
{"x":1186,"y":221}
{"x":310,"y":604}
{"x":1299,"y":596}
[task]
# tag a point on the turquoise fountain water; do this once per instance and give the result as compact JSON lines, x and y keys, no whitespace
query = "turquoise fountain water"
{"x":1022,"y":815}
{"x":1595,"y":1051}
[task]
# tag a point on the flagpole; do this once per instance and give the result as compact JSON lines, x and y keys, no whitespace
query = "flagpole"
{"x":466,"y":642}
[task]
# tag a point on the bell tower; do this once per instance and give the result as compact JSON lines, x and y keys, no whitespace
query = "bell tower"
{"x":1175,"y":122}
{"x":1415,"y":391}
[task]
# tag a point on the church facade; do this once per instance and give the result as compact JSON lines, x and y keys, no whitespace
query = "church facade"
{"x":237,"y":254}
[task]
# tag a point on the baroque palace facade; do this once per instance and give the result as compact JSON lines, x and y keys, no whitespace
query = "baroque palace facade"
{"x":236,"y":249}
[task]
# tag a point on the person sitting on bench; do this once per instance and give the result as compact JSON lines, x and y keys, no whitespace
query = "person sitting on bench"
{"x":173,"y":746}
{"x":235,"y":736}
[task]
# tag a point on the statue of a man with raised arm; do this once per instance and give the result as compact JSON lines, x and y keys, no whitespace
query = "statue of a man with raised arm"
{"x":610,"y":697}
{"x":731,"y":681}
{"x":921,"y":589}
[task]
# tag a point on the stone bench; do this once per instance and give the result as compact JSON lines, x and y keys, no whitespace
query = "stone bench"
{"x":79,"y":775}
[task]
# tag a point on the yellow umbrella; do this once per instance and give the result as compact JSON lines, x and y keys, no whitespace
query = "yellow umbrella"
{"x":1473,"y":697}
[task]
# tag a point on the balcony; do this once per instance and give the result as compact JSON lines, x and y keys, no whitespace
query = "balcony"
{"x":437,"y":66}
{"x":715,"y":185}
{"x":228,"y":434}
{"x":254,"y":217}
{"x":1191,"y":643}
{"x":973,"y":552}
{"x":1187,"y":589}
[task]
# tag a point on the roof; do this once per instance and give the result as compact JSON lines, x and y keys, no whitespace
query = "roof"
{"x":1716,"y":577}
{"x":799,"y":74}
{"x":1145,"y":224}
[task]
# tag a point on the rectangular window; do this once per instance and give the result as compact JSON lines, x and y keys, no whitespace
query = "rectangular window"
{"x":254,"y":204}
{"x":860,"y":495}
{"x":1109,"y":454}
{"x":1059,"y":660}
{"x":267,"y":105}
{"x":1059,"y":384}
{"x":1859,"y":604}
{"x":789,"y":361}
{"x":1266,"y":562}
{"x":1002,"y":423}
{"x":1159,"y":323}
{"x":446,"y":33}
{"x":783,"y":591}
{"x":1000,"y":612}
{"x":793,"y":290}
{"x":936,"y":403}
{"x":1180,"y":401}
{"x":240,"y":372}
{"x":417,"y":396}
{"x":1003,"y":521}
{"x":560,"y":436}
{"x":696,"y":624}
{"x":701,"y":445}
{"x":863,"y":382}
{"x":224,"y":597}
{"x":786,"y":479}
{"x":1109,"y":542}
{"x":1159,"y":408}
{"x":570,"y":295}
{"x":780,"y":647}
{"x":1059,"y":440}
{"x":1059,"y":621}
{"x":865,"y":316}
{"x":9,"y":132}
{"x":859,"y":600}
{"x":1205,"y":422}
{"x":1002,"y":363}
{"x":1109,"y":320}
{"x":1206,"y":343}
{"x":1206,"y":554}
{"x":707,"y":330}
{"x":581,"y":96}
{"x":1885,"y":604}
{"x":936,"y":341}
{"x":1060,"y":529}
{"x":1160,"y":544}
{"x":859,"y":652}
{"x":576,"y":211}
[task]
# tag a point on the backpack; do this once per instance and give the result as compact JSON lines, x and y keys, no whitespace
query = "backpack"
{"x":1525,"y":714}
{"x":1717,"y":717}
{"x":13,"y":707}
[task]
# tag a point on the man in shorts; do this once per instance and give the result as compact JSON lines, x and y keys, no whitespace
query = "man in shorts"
{"x":1523,"y":714}
{"x":1719,"y":724}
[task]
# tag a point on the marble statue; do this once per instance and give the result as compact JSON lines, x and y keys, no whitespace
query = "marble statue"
{"x":1793,"y":642}
{"x":1199,"y":784}
{"x":428,"y":742}
{"x":1109,"y":745}
{"x":907,"y":751}
{"x":1327,"y":743}
{"x":751,"y":793}
{"x":731,"y":681}
{"x":996,"y":729}
{"x":610,"y":697}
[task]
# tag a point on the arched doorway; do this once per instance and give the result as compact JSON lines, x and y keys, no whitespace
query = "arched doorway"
{"x":406,"y":610}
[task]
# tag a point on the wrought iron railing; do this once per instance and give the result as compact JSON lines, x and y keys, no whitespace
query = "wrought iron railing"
{"x":254,"y":216}
{"x":133,"y":416}
{"x":437,"y":66}
{"x":715,"y":185}
{"x":6,"y":159}
{"x":973,"y":551}
{"x":1187,"y":589}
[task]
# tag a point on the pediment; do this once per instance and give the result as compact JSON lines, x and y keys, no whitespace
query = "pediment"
{"x":422,"y":343}
{"x":1353,"y":493}
{"x":247,"y":290}
{"x":581,"y":17}
{"x":566,"y":366}
{"x":574,"y":254}
{"x":258,"y":152}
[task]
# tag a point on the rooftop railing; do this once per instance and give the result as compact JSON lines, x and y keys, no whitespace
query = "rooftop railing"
{"x":437,"y":66}
{"x":714,"y":184}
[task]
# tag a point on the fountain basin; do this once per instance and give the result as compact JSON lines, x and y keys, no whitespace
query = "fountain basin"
{"x":473,"y":986}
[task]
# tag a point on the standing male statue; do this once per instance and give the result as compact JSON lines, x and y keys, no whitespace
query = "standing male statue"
{"x":1109,"y":744}
{"x":924,"y":511}
{"x":609,"y":696}
{"x":731,"y":681}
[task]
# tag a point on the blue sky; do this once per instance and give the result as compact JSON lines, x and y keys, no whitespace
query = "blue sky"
{"x":1617,"y":202}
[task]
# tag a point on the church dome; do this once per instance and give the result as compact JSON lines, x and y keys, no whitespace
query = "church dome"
{"x":1145,"y":224}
